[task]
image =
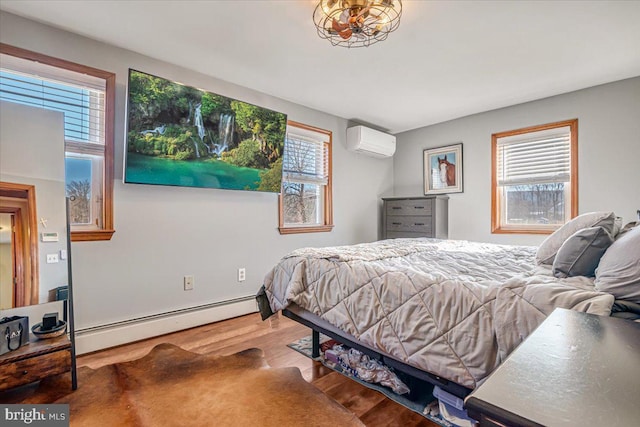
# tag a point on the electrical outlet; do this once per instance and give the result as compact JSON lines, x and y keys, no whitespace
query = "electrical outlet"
{"x":52,"y":258}
{"x":242,"y":274}
{"x":188,"y":283}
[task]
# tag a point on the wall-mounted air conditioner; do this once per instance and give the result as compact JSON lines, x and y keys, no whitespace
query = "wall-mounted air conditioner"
{"x":371,"y":142}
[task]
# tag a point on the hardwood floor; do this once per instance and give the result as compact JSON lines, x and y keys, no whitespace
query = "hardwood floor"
{"x":231,"y":336}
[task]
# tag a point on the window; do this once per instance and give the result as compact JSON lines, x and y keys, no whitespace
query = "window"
{"x":86,"y":97}
{"x":535,"y":178}
{"x":305,"y":199}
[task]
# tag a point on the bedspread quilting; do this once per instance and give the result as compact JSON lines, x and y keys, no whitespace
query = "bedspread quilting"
{"x":452,"y":308}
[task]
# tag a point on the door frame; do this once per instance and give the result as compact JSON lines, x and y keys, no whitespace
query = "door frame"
{"x":26,"y":236}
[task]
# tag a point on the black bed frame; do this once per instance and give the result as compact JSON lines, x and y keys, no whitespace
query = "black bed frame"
{"x":350,"y":341}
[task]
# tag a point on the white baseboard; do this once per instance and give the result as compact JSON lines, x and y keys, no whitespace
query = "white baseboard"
{"x":93,"y":339}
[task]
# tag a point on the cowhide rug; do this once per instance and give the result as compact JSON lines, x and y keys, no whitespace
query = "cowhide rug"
{"x":174,"y":387}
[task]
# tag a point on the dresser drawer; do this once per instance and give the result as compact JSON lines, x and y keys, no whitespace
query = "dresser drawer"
{"x":405,"y":234}
{"x":416,"y":224}
{"x":415,"y":217}
{"x":35,"y":368}
{"x":409,"y":207}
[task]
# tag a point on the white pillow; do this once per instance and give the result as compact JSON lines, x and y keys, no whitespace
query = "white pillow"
{"x":619,"y":270}
{"x":617,"y":226}
{"x":628,"y":227}
{"x":549,"y":248}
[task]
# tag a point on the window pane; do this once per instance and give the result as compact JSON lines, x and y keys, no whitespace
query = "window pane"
{"x":535,"y":204}
{"x":304,"y":161}
{"x":302,"y":203}
{"x":534,"y":175}
{"x":80,"y":106}
{"x":78,"y":183}
{"x":305,"y":199}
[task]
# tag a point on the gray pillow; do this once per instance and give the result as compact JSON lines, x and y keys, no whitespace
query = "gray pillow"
{"x":619,"y":270}
{"x":549,"y":247}
{"x":580,"y":254}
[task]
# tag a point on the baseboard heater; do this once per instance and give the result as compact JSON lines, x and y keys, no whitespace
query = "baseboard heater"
{"x":163,"y":315}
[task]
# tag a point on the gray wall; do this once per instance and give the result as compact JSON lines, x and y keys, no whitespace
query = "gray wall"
{"x":608,"y":155}
{"x":164,"y":233}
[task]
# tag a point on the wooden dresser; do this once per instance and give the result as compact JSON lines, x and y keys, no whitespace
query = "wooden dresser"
{"x":34,"y":361}
{"x":415,"y":217}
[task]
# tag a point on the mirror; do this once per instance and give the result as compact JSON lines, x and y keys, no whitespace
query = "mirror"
{"x":33,"y":234}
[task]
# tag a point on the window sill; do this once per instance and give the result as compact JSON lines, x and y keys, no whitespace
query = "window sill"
{"x":523,"y":230}
{"x":299,"y":230}
{"x":93,"y":235}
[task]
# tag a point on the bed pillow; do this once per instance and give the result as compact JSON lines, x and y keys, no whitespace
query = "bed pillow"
{"x":617,"y":226}
{"x":628,"y":227}
{"x":549,"y":247}
{"x":619,"y":270}
{"x":580,"y":254}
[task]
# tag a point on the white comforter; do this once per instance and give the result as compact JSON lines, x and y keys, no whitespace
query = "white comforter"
{"x":452,"y":308}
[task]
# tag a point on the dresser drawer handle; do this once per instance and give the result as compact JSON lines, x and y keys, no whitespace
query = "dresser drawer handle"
{"x":25,"y":372}
{"x":419,"y":223}
{"x":396,"y":223}
{"x":418,"y":207}
{"x":396,"y":207}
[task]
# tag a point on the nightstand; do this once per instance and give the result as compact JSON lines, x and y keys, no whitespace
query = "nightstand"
{"x":575,"y":369}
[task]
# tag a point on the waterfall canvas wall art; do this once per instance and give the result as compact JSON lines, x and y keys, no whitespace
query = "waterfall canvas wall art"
{"x":180,"y":135}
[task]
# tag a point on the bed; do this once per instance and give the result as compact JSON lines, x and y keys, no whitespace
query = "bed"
{"x":446,"y":311}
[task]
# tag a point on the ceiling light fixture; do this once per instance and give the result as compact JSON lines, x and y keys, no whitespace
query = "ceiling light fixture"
{"x":356,"y":23}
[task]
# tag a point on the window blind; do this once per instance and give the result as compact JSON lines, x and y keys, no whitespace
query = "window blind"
{"x":305,"y":160}
{"x":538,"y":157}
{"x":79,"y":96}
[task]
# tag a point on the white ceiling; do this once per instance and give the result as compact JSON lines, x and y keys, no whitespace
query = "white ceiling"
{"x":448,"y":59}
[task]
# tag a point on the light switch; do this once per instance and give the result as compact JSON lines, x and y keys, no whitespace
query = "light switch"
{"x":63,"y":254}
{"x":52,"y":258}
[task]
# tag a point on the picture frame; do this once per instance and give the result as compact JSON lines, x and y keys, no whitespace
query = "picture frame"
{"x":443,"y":169}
